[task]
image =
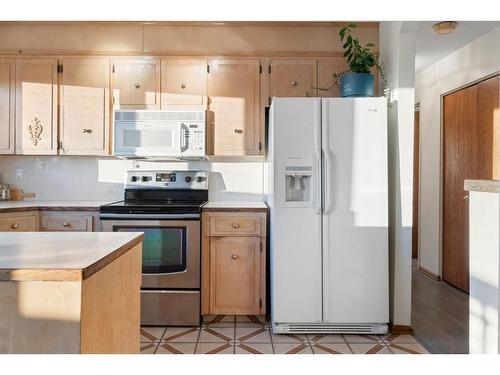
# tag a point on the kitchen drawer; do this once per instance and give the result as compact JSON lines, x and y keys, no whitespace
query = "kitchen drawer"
{"x":18,"y":223}
{"x":55,"y":222}
{"x":233,"y":224}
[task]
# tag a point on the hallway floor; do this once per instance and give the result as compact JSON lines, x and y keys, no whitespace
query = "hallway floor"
{"x":440,"y":315}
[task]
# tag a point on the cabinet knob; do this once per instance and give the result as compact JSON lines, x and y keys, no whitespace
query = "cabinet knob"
{"x":137,"y":85}
{"x":235,"y":257}
{"x":236,"y":225}
{"x":87,"y":131}
{"x":294,"y":83}
{"x":66,"y":225}
{"x":238,"y":131}
{"x":466,"y":198}
{"x":183,"y":85}
{"x":14,"y":226}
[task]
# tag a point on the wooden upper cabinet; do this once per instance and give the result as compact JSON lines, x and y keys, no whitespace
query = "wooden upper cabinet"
{"x":184,"y":84}
{"x":233,"y":90}
{"x":6,"y":106}
{"x":84,"y":108}
{"x":326,"y":69}
{"x":136,"y":84}
{"x":293,"y":78}
{"x":36,"y":106}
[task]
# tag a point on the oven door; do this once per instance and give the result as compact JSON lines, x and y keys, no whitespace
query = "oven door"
{"x":170,"y":251}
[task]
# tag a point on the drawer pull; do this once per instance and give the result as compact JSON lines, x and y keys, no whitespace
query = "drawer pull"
{"x":183,"y":85}
{"x":137,"y":85}
{"x":236,"y":225}
{"x":294,"y":83}
{"x":66,"y":225}
{"x":15,"y":226}
{"x":235,"y":257}
{"x":88,"y":131}
{"x":238,"y":131}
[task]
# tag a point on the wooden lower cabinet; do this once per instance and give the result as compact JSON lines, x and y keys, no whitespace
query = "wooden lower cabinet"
{"x":26,"y":221}
{"x":233,"y":265}
{"x":53,"y":221}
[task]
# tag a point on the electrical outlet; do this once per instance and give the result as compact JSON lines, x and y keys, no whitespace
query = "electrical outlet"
{"x":19,"y":173}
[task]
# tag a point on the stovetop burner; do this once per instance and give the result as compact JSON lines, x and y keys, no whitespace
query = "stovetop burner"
{"x":185,"y":192}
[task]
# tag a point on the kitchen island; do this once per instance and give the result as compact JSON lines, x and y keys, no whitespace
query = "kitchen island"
{"x":70,"y":292}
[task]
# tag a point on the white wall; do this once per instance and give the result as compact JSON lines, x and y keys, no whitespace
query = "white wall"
{"x":476,"y":60}
{"x":397,"y":53}
{"x":92,"y":178}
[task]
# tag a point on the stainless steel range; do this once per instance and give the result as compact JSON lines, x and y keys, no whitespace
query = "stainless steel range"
{"x":166,"y":206}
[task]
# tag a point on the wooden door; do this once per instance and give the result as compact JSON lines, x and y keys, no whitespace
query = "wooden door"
{"x":36,"y":106}
{"x":233,"y":90}
{"x":293,"y":78}
{"x":7,"y":106}
{"x":184,"y":84}
{"x":84,"y":109}
{"x":470,"y":129}
{"x":235,"y":275}
{"x":136,"y":84}
{"x":416,"y":184}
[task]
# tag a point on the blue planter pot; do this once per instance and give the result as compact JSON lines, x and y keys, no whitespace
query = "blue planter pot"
{"x":357,"y":85}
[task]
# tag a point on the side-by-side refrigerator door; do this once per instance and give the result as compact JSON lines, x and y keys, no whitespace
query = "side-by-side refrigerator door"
{"x":355,"y":212}
{"x":296,"y":211}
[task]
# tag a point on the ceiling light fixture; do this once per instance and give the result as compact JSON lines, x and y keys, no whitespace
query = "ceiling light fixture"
{"x":443,"y":28}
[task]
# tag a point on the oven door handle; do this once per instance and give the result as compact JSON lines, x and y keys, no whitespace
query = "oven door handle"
{"x":110,"y":216}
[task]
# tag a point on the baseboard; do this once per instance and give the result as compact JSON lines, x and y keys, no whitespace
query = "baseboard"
{"x":397,"y":329}
{"x":429,"y":273}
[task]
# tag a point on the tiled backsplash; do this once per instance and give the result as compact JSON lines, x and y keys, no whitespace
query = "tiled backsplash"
{"x":92,"y":178}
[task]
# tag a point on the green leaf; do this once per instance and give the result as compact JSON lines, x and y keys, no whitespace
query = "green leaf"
{"x":346,"y":44}
{"x":342,"y":33}
{"x":349,"y":39}
{"x":370,"y":44}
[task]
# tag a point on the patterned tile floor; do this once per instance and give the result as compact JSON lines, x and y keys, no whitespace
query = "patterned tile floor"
{"x":252,"y":335}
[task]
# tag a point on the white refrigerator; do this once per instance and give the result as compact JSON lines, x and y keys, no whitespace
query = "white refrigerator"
{"x":328,"y":198}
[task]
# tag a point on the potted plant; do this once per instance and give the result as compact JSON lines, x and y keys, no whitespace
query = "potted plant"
{"x":358,"y":80}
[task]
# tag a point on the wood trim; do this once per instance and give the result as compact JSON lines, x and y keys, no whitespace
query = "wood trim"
{"x":397,"y":329}
{"x":416,"y":183}
{"x":429,"y":273}
{"x":12,"y":92}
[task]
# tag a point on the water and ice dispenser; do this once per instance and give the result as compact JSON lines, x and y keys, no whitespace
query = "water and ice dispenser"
{"x":298,"y":184}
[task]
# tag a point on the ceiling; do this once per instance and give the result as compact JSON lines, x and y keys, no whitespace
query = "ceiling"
{"x":431,"y":47}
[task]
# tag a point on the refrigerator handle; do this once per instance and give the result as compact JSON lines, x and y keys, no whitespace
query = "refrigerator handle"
{"x":327,"y":154}
{"x":317,"y":183}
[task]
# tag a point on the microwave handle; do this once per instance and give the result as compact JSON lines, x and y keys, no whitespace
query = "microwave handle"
{"x":183,"y":142}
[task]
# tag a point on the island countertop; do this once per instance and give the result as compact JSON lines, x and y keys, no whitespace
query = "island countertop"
{"x":54,"y":256}
{"x":485,"y":186}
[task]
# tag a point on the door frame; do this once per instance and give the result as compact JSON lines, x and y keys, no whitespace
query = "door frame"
{"x":416,"y":183}
{"x":441,"y":162}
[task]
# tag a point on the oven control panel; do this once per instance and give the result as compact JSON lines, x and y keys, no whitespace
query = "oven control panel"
{"x":166,"y":179}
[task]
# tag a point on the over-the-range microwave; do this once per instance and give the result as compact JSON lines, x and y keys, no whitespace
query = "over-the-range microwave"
{"x":160,"y":134}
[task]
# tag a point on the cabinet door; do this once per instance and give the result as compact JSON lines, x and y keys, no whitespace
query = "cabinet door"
{"x":183,"y":84}
{"x":136,"y":84}
{"x":6,"y":106}
{"x":84,"y":110}
{"x":293,"y":78}
{"x":326,"y":69}
{"x":36,"y":106}
{"x":233,"y":90}
{"x":235,"y":275}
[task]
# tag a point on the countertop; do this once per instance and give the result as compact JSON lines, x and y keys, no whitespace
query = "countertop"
{"x":485,"y":186}
{"x":235,"y":206}
{"x":58,"y":256}
{"x":33,"y":204}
